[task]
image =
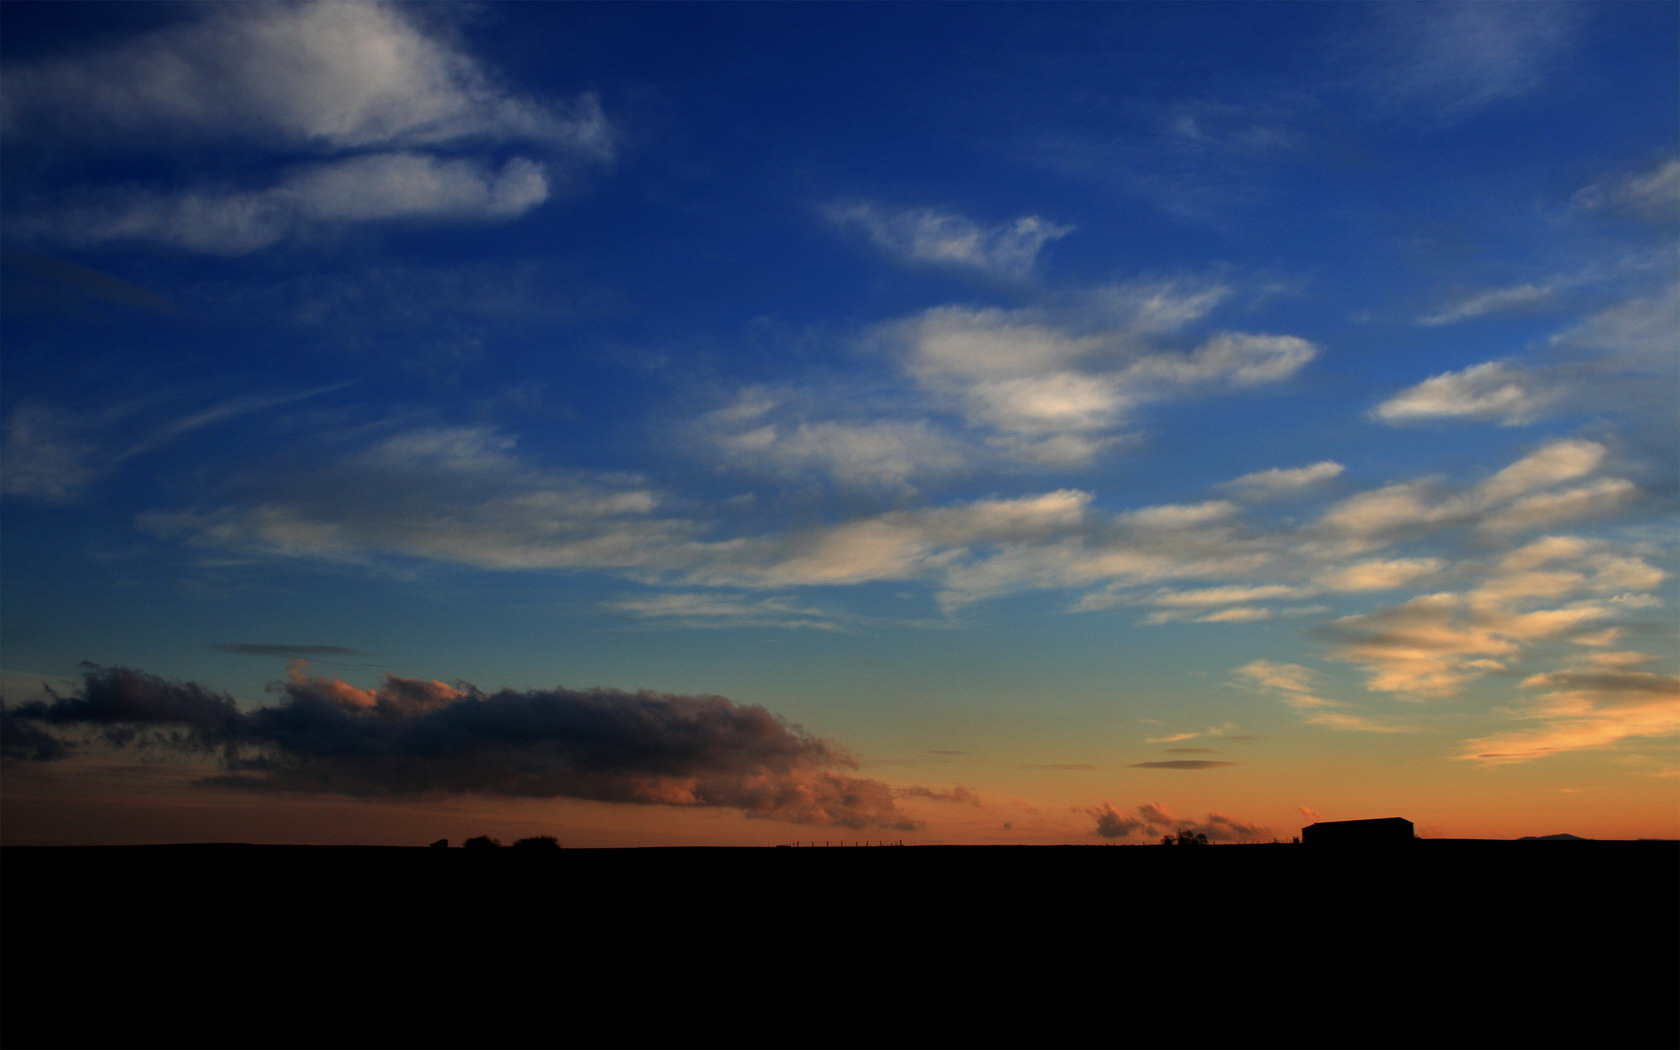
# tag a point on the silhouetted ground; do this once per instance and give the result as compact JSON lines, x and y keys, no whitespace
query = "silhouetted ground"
{"x":1444,"y":943}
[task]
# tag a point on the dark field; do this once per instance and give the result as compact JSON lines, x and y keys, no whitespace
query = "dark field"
{"x":1440,"y":944}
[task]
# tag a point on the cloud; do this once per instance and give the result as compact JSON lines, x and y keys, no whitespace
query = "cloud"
{"x":1492,"y":301}
{"x":290,"y":652}
{"x":1152,"y":819}
{"x":708,"y":609}
{"x":1492,"y":392}
{"x":410,"y":738}
{"x":369,"y":111}
{"x":456,"y":494}
{"x":379,"y":187}
{"x":48,"y":455}
{"x":883,"y":455}
{"x":1435,"y":644}
{"x":328,"y":77}
{"x":1513,"y":499}
{"x":1452,"y":60}
{"x":1207,"y":596}
{"x":53,"y":456}
{"x":1181,"y":763}
{"x":1635,"y":335}
{"x":1054,"y":384}
{"x":1652,"y":194}
{"x":927,"y":236}
{"x":1379,"y":574}
{"x":958,"y":795}
{"x":1285,"y":480}
{"x":1295,"y":686}
{"x":1112,"y":824}
{"x":1588,"y":708}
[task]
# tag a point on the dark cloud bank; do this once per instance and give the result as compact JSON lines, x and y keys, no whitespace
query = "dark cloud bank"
{"x":411,"y":737}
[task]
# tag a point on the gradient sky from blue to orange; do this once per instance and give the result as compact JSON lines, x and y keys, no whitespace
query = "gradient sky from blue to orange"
{"x":1018,"y":397}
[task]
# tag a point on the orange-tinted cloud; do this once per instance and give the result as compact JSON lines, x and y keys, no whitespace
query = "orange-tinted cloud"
{"x":416,"y":738}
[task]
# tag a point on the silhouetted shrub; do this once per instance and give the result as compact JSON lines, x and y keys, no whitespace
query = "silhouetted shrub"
{"x":1185,"y":837}
{"x":481,"y":842}
{"x":538,"y":842}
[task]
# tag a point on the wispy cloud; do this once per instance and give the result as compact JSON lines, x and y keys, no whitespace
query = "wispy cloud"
{"x":1494,"y":300}
{"x":327,"y":77}
{"x":714,"y":610}
{"x":1585,"y":709}
{"x":1296,"y":686}
{"x":1451,"y":60}
{"x":54,"y":456}
{"x":930,"y":237}
{"x":757,"y":433}
{"x":1285,"y":480}
{"x":1434,"y":645}
{"x":1652,"y":194}
{"x":372,"y":85}
{"x":1526,"y":495}
{"x":1054,"y":386}
{"x":380,"y":187}
{"x":290,"y":652}
{"x":1493,"y":392}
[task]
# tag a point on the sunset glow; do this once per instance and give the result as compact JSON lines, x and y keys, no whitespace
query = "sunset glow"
{"x":749,"y":424}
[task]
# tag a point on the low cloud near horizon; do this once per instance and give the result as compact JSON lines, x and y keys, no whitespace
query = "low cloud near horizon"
{"x":410,"y":738}
{"x":1152,"y":819}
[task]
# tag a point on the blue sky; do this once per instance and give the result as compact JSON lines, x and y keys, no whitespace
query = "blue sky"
{"x":1250,"y":410}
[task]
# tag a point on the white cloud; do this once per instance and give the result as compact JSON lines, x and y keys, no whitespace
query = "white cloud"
{"x":1548,"y":465}
{"x":931,"y":237}
{"x":369,"y":188}
{"x":1379,"y":574}
{"x":327,"y":76}
{"x":1281,"y":480}
{"x":883,"y":455}
{"x":1452,"y":60}
{"x":1511,"y":499}
{"x":1230,"y":595}
{"x":1039,"y":375}
{"x":1178,"y":515}
{"x":1594,"y":499}
{"x":1492,"y":391}
{"x":1639,"y":331}
{"x":1492,"y":301}
{"x":1653,"y":194}
{"x":274,"y":87}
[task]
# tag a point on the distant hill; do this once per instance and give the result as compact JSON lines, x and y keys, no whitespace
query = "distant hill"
{"x":1553,"y":838}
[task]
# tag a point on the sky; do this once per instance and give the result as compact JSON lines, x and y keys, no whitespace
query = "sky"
{"x":664,"y":424}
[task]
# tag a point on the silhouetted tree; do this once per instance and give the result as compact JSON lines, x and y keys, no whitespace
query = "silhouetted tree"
{"x":481,"y":842}
{"x":1185,"y":837}
{"x":538,"y":842}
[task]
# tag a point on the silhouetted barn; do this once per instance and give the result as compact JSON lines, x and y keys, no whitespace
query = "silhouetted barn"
{"x":1383,"y":831}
